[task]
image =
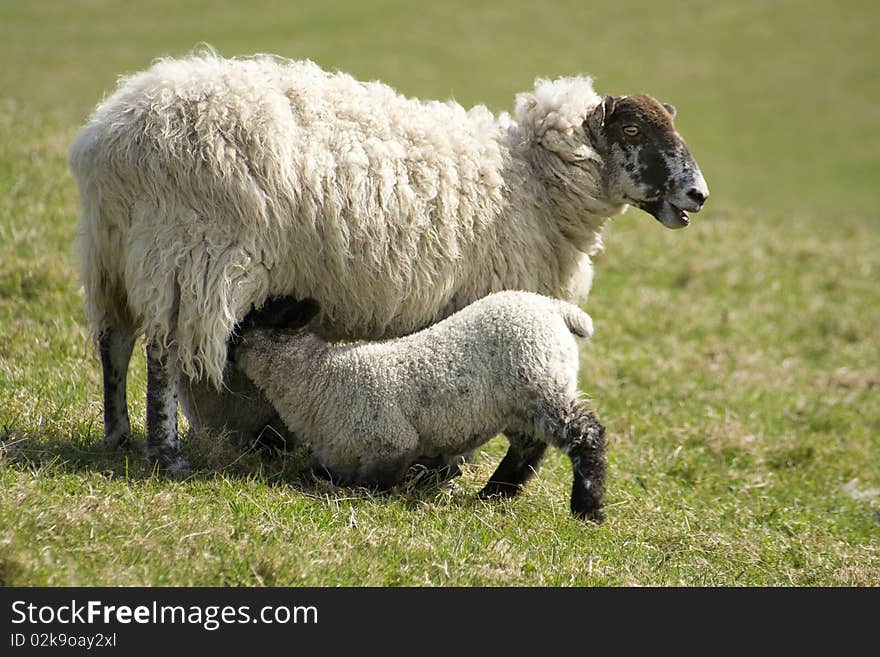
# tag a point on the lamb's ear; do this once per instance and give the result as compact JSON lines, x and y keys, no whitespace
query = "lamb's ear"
{"x":670,"y":109}
{"x":282,"y":312}
{"x":296,"y":314}
{"x":309,"y":309}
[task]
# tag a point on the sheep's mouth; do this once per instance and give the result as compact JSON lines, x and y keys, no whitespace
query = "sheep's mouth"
{"x":667,"y":213}
{"x":678,"y":218}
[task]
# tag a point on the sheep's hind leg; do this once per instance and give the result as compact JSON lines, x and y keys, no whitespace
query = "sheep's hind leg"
{"x":115,"y":347}
{"x":584,"y":442}
{"x":163,"y":445}
{"x":520,"y":464}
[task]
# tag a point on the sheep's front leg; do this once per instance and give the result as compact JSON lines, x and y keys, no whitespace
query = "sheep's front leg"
{"x":115,"y":347}
{"x":163,"y":445}
{"x":520,"y":464}
{"x":585,"y":446}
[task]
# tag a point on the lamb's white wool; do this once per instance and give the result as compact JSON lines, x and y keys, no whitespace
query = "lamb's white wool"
{"x":506,"y":363}
{"x":208,"y":184}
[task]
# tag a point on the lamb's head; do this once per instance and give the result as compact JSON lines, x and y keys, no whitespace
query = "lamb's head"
{"x":282,"y":313}
{"x":645,"y":161}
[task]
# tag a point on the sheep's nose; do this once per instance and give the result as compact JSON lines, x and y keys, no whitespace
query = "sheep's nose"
{"x":698,"y":196}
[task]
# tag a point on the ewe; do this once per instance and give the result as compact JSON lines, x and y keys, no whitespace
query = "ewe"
{"x":208,"y":184}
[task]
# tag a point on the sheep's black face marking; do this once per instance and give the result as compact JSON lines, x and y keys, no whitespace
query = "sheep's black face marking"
{"x":647,"y":163}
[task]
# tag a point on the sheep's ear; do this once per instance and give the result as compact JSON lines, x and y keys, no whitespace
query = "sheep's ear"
{"x":670,"y":109}
{"x":608,"y":104}
{"x":600,"y":114}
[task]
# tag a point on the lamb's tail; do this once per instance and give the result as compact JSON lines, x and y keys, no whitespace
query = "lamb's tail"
{"x":577,"y":321}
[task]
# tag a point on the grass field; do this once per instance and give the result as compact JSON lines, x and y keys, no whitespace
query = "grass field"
{"x":736,"y":363}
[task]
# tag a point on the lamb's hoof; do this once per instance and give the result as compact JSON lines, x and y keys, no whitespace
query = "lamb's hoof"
{"x":498,"y":490}
{"x":453,"y":487}
{"x":587,"y":513}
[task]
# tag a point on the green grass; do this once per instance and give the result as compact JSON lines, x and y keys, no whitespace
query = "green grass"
{"x":736,"y":363}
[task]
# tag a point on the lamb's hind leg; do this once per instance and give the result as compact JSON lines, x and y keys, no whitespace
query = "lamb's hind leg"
{"x":583,"y":439}
{"x":163,"y":445}
{"x":520,"y":464}
{"x":115,"y":346}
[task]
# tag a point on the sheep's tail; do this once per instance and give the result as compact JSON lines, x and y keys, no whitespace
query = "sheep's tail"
{"x":577,"y":321}
{"x":149,"y":284}
{"x":106,"y":299}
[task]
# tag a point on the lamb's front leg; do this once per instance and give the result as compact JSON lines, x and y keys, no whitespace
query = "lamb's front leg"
{"x":388,"y":450}
{"x":163,"y":445}
{"x":443,"y":467}
{"x":520,"y":464}
{"x":383,"y":476}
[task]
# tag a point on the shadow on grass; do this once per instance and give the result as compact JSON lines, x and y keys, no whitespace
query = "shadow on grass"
{"x":210,"y":456}
{"x":50,"y":452}
{"x":10,"y":569}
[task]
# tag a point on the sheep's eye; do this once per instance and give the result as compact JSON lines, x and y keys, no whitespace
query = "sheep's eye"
{"x":630,"y":130}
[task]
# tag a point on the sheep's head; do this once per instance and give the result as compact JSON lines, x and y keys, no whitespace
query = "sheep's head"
{"x":646,"y":162}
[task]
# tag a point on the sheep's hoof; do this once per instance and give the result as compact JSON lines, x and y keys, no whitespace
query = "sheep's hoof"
{"x":117,"y":438}
{"x":172,"y":464}
{"x":179,"y":467}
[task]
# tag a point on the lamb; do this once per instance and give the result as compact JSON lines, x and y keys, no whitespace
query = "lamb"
{"x":209,"y":184}
{"x":506,"y":363}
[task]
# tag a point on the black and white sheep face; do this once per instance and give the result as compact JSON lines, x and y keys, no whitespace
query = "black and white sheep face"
{"x":647,"y":163}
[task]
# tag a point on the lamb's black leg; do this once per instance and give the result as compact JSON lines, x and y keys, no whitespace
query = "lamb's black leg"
{"x":163,"y":445}
{"x":384,"y":476}
{"x":585,"y":446}
{"x":443,"y":468}
{"x":522,"y":460}
{"x":115,"y":347}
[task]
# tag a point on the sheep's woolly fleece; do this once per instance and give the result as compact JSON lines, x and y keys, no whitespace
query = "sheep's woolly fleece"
{"x":508,"y":362}
{"x":209,"y":183}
